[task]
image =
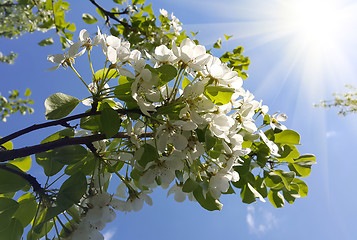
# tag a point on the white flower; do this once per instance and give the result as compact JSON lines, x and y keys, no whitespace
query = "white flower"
{"x":275,"y":120}
{"x":163,"y":12}
{"x":65,"y":59}
{"x":164,"y":55}
{"x":179,"y":195}
{"x":274,"y":149}
{"x":219,"y":183}
{"x":86,"y":41}
{"x":193,"y":55}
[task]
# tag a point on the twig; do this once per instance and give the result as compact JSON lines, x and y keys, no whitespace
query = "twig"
{"x":111,"y":14}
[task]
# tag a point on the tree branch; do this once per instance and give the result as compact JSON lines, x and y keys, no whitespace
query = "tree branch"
{"x":29,"y":178}
{"x":66,"y":141}
{"x":62,"y":122}
{"x":111,"y":15}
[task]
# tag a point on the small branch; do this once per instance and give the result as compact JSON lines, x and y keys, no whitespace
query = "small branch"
{"x":30,"y":179}
{"x":62,"y":122}
{"x":111,"y":14}
{"x":27,"y":151}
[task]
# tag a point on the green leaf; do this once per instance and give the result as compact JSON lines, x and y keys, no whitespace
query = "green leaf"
{"x":166,"y":73}
{"x":45,"y":42}
{"x":8,"y":208}
{"x":185,"y":82}
{"x":287,"y":177}
{"x":219,"y":95}
{"x":287,"y":137}
{"x":145,"y":154}
{"x":302,"y":165}
{"x":11,"y":182}
{"x":227,"y":36}
{"x":135,"y":2}
{"x":189,"y":186}
{"x":218,"y":44}
{"x":111,"y":121}
{"x":89,"y":19}
{"x":71,"y":27}
{"x":68,"y":154}
{"x":174,"y":107}
{"x":92,"y":123}
{"x":23,"y":163}
{"x":13,"y":231}
{"x":72,"y":190}
{"x":27,"y":92}
{"x":148,"y":9}
{"x":276,"y":199}
{"x":27,"y":209}
{"x":85,"y":166}
{"x":273,"y":180}
{"x":207,"y":202}
{"x":210,"y":139}
{"x":8,"y":145}
{"x":105,"y":73}
{"x":123,"y":92}
{"x":60,"y":105}
{"x":249,"y":194}
{"x":118,"y":1}
{"x":303,"y":189}
{"x":50,"y":166}
{"x":68,"y":132}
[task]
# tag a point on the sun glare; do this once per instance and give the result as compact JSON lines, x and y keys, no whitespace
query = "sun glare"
{"x":313,"y":23}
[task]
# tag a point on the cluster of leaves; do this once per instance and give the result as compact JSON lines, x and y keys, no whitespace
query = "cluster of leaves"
{"x":23,"y":16}
{"x":14,"y":104}
{"x":9,"y":59}
{"x":275,"y":182}
{"x":345,"y":102}
{"x":234,"y":59}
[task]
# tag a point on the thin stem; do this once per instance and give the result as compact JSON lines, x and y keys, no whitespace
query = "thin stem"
{"x":71,"y":66}
{"x":90,"y":62}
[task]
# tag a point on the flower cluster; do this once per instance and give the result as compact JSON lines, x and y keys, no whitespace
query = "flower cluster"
{"x":189,"y":127}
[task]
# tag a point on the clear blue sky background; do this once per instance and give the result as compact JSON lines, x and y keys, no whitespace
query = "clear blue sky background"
{"x":289,"y":76}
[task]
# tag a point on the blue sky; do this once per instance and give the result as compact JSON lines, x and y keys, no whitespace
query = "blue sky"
{"x":292,"y":68}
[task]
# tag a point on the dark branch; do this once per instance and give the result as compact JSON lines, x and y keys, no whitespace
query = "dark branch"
{"x":27,"y":151}
{"x":30,"y":179}
{"x":111,"y":15}
{"x":62,"y":122}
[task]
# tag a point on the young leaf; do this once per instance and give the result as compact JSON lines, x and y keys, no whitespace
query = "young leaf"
{"x":111,"y":121}
{"x":11,"y":182}
{"x":13,"y":231}
{"x":276,"y":199}
{"x":72,"y":190}
{"x":219,"y":95}
{"x":287,"y":137}
{"x":59,"y":105}
{"x":27,"y":209}
{"x":7,"y":209}
{"x":45,"y":42}
{"x":89,"y":19}
{"x":207,"y":202}
{"x":23,"y":163}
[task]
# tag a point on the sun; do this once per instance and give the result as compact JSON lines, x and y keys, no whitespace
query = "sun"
{"x":314,"y":24}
